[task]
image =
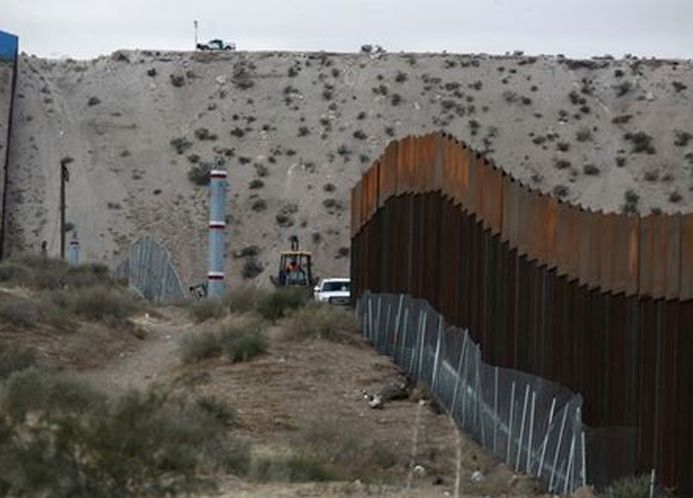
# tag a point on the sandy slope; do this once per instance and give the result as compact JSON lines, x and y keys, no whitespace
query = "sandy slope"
{"x":127,"y":179}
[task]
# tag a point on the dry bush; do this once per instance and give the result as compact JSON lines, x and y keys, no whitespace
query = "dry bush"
{"x":629,"y":487}
{"x":19,"y":313}
{"x":112,"y":305}
{"x":196,"y":346}
{"x":245,"y":299}
{"x":277,"y":304}
{"x":199,"y":173}
{"x":206,"y":309}
{"x":320,"y":321}
{"x":14,"y":359}
{"x":75,"y":443}
{"x":243,"y":342}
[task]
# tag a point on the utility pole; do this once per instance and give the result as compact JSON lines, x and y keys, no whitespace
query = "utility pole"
{"x":195,"y":25}
{"x":64,"y":178}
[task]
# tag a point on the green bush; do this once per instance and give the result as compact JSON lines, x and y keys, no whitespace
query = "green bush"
{"x":320,"y":321}
{"x":629,"y":487}
{"x":197,"y":346}
{"x":19,"y":313}
{"x":218,"y":410}
{"x":275,"y":305}
{"x":242,"y":343}
{"x":291,"y":468}
{"x":43,"y":273}
{"x":206,"y":309}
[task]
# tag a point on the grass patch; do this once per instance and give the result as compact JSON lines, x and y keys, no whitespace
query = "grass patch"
{"x":629,"y":487}
{"x":320,"y":321}
{"x":14,"y":359}
{"x":291,"y":468}
{"x":197,"y":346}
{"x":103,"y":304}
{"x":19,"y":313}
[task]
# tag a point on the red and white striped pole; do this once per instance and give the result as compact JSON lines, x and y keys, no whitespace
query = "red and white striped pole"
{"x":217,"y":231}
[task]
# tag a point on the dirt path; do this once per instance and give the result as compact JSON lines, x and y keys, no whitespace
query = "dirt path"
{"x":140,"y":367}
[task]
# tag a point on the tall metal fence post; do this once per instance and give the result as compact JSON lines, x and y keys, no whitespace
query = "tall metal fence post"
{"x":546,"y":437}
{"x":421,"y":344}
{"x":584,"y":459}
{"x":510,"y":423}
{"x":558,"y":448}
{"x":496,"y":420}
{"x":522,"y":429}
{"x":457,"y":378}
{"x":434,"y":374}
{"x":528,"y":468}
{"x":405,"y":334}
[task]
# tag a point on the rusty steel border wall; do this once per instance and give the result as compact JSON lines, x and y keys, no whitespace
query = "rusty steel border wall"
{"x":599,"y":302}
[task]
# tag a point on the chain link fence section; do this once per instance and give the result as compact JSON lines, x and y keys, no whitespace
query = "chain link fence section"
{"x":532,"y":424}
{"x":149,"y":270}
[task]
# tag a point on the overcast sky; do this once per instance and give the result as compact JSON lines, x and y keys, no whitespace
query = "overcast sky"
{"x":86,"y":28}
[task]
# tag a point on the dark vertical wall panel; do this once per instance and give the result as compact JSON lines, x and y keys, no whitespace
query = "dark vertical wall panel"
{"x":598,"y":302}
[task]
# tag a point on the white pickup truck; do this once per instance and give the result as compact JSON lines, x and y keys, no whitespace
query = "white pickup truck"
{"x":333,"y":291}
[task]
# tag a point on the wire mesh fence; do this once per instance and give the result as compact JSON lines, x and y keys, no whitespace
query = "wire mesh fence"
{"x":534,"y":425}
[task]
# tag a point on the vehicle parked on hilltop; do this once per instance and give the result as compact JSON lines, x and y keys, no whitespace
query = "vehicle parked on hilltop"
{"x":216,"y":44}
{"x":333,"y":291}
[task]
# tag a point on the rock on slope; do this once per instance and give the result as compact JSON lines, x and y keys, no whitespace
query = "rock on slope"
{"x":297,"y":129}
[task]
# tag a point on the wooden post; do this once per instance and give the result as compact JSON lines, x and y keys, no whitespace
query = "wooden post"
{"x":64,"y":177}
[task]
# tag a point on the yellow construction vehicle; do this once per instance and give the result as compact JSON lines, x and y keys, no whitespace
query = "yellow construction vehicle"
{"x":295,"y":268}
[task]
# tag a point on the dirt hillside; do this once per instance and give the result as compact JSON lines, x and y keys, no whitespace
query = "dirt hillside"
{"x":297,"y":129}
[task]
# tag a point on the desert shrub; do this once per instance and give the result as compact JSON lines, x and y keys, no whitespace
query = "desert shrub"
{"x":13,"y":272}
{"x":560,"y":191}
{"x":651,"y":175}
{"x":681,"y":138}
{"x":303,"y":131}
{"x":320,"y":321}
{"x":563,"y":146}
{"x":151,"y":72}
{"x":631,"y":200}
{"x":199,"y":173}
{"x":177,"y":80}
{"x":640,"y":142}
{"x":389,"y":131}
{"x":241,"y":77}
{"x":401,"y":77}
{"x":366,"y":49}
{"x":284,"y":217}
{"x":562,"y":164}
{"x":205,"y":134}
{"x":329,"y":187}
{"x":181,"y":144}
{"x":259,"y":205}
{"x":19,"y":313}
{"x":620,"y":161}
{"x":629,"y":487}
{"x":217,"y":409}
{"x":93,"y":101}
{"x":361,"y":115}
{"x":244,"y":299}
{"x":251,"y":268}
{"x":291,"y":468}
{"x":247,"y":251}
{"x":100,"y":303}
{"x":583,"y":135}
{"x":14,"y":359}
{"x":333,"y":205}
{"x":206,"y":309}
{"x":623,"y":88}
{"x":342,"y":252}
{"x":678,"y":86}
{"x":196,"y":346}
{"x":360,"y":135}
{"x":293,"y":71}
{"x":256,"y":184}
{"x":396,"y":99}
{"x":73,"y":443}
{"x":242,"y":343}
{"x":275,"y":305}
{"x":622,"y":119}
{"x":675,"y":197}
{"x":590,"y":169}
